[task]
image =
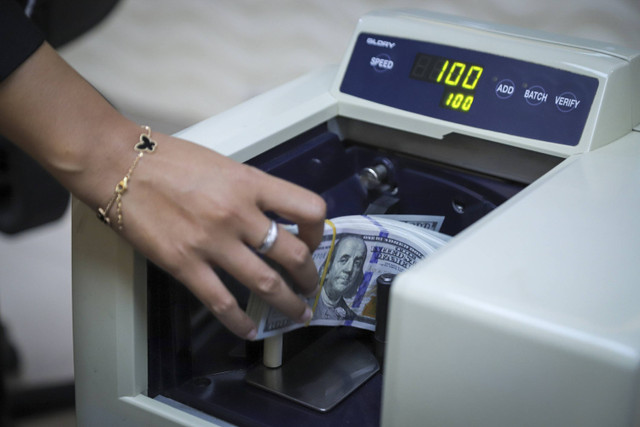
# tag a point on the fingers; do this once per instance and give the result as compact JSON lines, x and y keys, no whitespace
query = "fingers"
{"x":302,"y":207}
{"x":295,"y":256}
{"x":311,"y":233}
{"x":263,"y":280}
{"x":296,"y":204}
{"x":208,"y":288}
{"x":248,"y":268}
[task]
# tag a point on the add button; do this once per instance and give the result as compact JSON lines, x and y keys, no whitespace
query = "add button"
{"x":505,"y":88}
{"x":567,"y":102}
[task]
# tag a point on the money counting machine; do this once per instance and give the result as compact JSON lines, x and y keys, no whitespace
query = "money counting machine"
{"x":526,"y":143}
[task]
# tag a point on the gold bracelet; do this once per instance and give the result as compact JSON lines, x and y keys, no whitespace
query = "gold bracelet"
{"x":144,"y":145}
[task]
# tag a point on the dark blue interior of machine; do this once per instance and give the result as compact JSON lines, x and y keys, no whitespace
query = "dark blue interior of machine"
{"x":194,"y":360}
{"x":323,"y":163}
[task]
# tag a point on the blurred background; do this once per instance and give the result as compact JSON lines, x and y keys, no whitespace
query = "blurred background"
{"x":170,"y":64}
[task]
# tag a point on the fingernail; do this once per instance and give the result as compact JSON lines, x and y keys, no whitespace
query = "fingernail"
{"x":252,"y":334}
{"x":306,"y":316}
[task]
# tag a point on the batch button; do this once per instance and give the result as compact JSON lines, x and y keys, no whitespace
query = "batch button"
{"x":535,"y":95}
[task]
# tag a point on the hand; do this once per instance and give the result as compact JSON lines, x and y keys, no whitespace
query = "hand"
{"x":189,"y":209}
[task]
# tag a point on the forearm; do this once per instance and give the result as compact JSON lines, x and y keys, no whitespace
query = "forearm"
{"x":59,"y":119}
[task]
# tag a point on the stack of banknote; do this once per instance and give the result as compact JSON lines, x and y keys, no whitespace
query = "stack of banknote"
{"x":354,"y":252}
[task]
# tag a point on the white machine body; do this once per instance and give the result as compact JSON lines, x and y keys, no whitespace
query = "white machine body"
{"x":530,"y":316}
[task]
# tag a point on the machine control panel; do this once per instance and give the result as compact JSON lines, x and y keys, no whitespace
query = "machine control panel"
{"x":469,"y":87}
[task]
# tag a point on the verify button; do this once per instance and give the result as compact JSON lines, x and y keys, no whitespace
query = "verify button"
{"x":567,"y":102}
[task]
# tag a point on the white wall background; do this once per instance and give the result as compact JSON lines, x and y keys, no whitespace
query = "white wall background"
{"x":173,"y":63}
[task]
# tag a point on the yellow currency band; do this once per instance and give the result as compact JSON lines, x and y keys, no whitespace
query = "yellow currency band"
{"x":326,"y":263}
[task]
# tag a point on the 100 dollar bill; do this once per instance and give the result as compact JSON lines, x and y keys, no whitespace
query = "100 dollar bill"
{"x":354,"y":252}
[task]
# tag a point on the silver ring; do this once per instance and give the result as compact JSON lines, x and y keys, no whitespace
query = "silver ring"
{"x":269,"y":239}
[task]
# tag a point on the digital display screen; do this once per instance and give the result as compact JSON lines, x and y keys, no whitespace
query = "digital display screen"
{"x":459,"y":78}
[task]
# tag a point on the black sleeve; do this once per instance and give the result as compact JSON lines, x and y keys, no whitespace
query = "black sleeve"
{"x":19,"y":38}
